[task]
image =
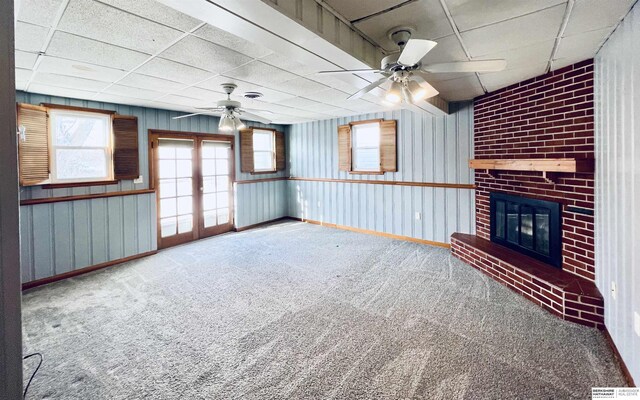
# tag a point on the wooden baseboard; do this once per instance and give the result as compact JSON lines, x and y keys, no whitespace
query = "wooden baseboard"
{"x":259,"y":224}
{"x":55,"y":278}
{"x":375,"y":233}
{"x":616,"y":353}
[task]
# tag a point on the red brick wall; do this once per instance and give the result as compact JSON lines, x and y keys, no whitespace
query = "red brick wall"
{"x":550,"y":116}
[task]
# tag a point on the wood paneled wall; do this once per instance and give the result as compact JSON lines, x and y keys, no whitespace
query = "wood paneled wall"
{"x":65,"y":236}
{"x":617,"y":217}
{"x":430,"y":149}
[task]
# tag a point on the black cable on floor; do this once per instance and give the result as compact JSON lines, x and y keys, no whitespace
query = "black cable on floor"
{"x":24,"y":395}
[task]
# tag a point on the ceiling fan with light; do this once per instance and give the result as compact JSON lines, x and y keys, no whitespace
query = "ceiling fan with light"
{"x":400,"y":69}
{"x":230,"y":112}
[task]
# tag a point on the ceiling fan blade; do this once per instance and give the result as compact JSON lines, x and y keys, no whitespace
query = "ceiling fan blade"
{"x":367,"y":88}
{"x":350,"y":71}
{"x":191,"y":115}
{"x":254,"y":117}
{"x":467,"y":66}
{"x":414,"y":50}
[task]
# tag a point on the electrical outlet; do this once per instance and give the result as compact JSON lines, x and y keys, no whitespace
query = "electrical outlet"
{"x":636,"y":322}
{"x":138,"y":180}
{"x":614,"y":290}
{"x":418,"y":215}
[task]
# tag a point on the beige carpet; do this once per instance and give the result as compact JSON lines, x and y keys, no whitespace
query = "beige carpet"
{"x":296,"y":311}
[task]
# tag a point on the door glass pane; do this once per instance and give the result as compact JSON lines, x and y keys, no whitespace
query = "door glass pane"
{"x":512,"y":223}
{"x":223,"y":216}
{"x":222,"y":199}
{"x":208,"y":184}
{"x":222,"y":167}
{"x":209,"y":201}
{"x":185,"y":205}
{"x":526,"y":227}
{"x":185,"y":223}
{"x":222,"y":182}
{"x":222,"y":152}
{"x":167,"y":188}
{"x":185,"y":187}
{"x":167,"y":169}
{"x":183,"y":168}
{"x":168,"y":207}
{"x":175,"y":186}
{"x":209,"y":218}
{"x":168,"y":226}
{"x":208,"y":167}
{"x":215,"y":183}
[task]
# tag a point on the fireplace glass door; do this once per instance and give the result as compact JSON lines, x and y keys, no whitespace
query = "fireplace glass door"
{"x":529,"y":226}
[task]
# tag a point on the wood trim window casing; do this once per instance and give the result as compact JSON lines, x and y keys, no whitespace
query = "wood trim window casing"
{"x":388,"y":147}
{"x":247,"y":162}
{"x":35,"y":152}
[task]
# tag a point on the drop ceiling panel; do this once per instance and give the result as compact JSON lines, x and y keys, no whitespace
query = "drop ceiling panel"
{"x":524,"y":56}
{"x":206,"y":97}
{"x":448,"y":49}
{"x":497,"y":80}
{"x":110,"y":25}
{"x":23,"y":75}
{"x":170,"y":70}
{"x":231,"y":41}
{"x":62,"y":92}
{"x":356,"y":9}
{"x":25,"y":60}
{"x":184,"y":101}
{"x":77,"y":48}
{"x":470,"y":14}
{"x":579,"y":47}
{"x":300,"y":86}
{"x":39,"y":12}
{"x":260,"y":73}
{"x":71,"y":82}
{"x":288,"y":64}
{"x":514,"y":33}
{"x":205,"y":55}
{"x":155,"y":11}
{"x":151,"y":83}
{"x":79,"y":69}
{"x":136,"y":93}
{"x":463,"y":88}
{"x":330,"y":96}
{"x":590,"y":15}
{"x":270,"y":95}
{"x":30,"y":37}
{"x":427,"y":16}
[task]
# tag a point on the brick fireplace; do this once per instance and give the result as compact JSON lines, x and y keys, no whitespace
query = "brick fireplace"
{"x":529,"y":125}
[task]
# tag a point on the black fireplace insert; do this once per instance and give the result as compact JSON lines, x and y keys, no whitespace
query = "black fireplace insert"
{"x":529,"y":226}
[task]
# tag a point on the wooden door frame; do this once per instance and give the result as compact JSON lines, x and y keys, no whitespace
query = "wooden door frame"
{"x":197,"y":137}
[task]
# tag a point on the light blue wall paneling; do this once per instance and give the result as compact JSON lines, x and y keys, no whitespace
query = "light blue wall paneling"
{"x":64,"y":236}
{"x":430,"y":149}
{"x":617,"y":217}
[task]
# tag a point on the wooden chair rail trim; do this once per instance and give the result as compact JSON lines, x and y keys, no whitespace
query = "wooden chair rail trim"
{"x":280,"y":178}
{"x":79,"y":184}
{"x":391,"y":183}
{"x":46,"y":200}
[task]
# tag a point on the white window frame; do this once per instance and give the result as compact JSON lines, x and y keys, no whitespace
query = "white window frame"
{"x":355,"y":148}
{"x":272,"y":151}
{"x":108,"y":149}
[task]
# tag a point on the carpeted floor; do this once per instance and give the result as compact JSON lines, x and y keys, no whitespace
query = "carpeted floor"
{"x":297,"y":311}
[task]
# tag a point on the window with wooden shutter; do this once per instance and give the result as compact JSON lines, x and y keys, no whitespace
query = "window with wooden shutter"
{"x":344,"y":147}
{"x":281,"y":163}
{"x":246,"y":150}
{"x":33,"y":144}
{"x":367,"y":147}
{"x":126,"y":164}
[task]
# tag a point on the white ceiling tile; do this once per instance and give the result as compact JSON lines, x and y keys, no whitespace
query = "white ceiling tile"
{"x":300,"y":102}
{"x":39,"y":12}
{"x":30,"y":37}
{"x":110,"y":25}
{"x":470,"y":14}
{"x":579,"y":47}
{"x":517,"y":32}
{"x":156,"y":11}
{"x":270,"y":95}
{"x":448,"y":49}
{"x":151,"y":83}
{"x":591,"y":15}
{"x":25,"y":60}
{"x":170,"y":70}
{"x":288,"y":64}
{"x":329,"y":96}
{"x":207,"y":96}
{"x":23,"y":75}
{"x":184,"y":101}
{"x":524,"y":56}
{"x":355,"y":9}
{"x":230,"y":41}
{"x":71,"y":82}
{"x":77,"y":48}
{"x":463,"y":88}
{"x":427,"y":16}
{"x":136,"y":93}
{"x":21,"y":85}
{"x":79,"y":69}
{"x":497,"y":80}
{"x":301,"y":86}
{"x":260,"y":73}
{"x":62,"y":92}
{"x":340,"y":82}
{"x":439,"y":77}
{"x":205,"y":55}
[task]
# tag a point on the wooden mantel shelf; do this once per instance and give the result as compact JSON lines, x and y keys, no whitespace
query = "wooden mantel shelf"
{"x":550,"y":167}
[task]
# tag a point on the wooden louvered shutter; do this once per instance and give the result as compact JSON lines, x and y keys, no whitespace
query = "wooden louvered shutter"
{"x":388,"y":158}
{"x":281,"y":163}
{"x":246,"y":150}
{"x":126,"y":163}
{"x":344,"y":148}
{"x":33,"y":151}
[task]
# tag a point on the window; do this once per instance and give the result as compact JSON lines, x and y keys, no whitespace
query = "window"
{"x":80,"y":146}
{"x":263,"y":151}
{"x":366,"y":147}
